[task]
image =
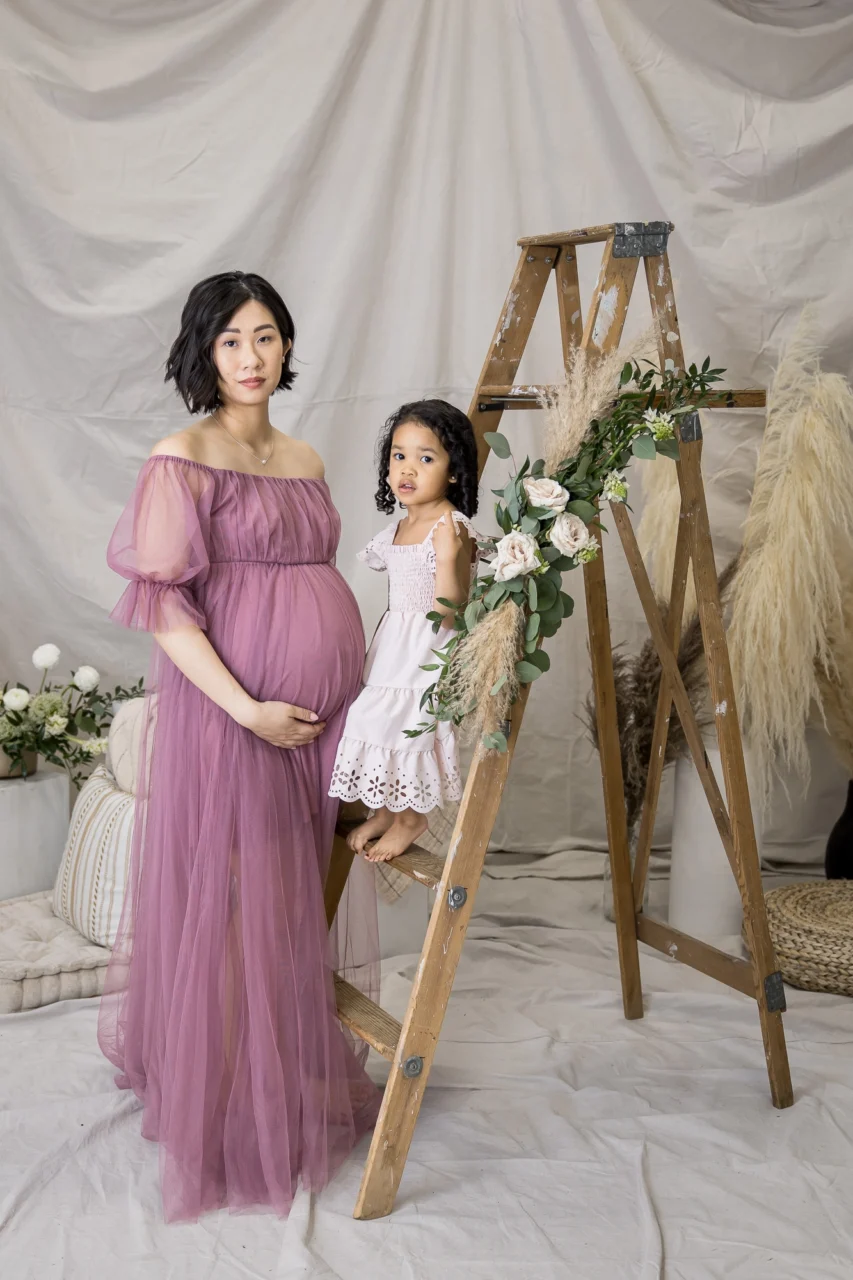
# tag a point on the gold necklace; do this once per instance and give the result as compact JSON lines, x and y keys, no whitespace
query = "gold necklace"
{"x":256,"y":456}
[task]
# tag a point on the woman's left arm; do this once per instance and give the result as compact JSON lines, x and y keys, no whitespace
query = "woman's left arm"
{"x":453,"y":557}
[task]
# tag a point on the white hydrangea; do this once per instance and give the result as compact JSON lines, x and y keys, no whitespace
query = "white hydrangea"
{"x":86,"y":679}
{"x":662,"y":425}
{"x":54,"y":725}
{"x":615,"y":487}
{"x":45,"y":657}
{"x":16,"y":699}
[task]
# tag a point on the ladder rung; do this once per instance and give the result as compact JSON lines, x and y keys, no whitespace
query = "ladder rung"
{"x":417,"y":864}
{"x":586,"y":235}
{"x":369,"y":1022}
{"x":526,"y":397}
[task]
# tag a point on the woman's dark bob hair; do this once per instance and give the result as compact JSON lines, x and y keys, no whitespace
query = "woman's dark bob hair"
{"x":455,"y":432}
{"x":209,"y":307}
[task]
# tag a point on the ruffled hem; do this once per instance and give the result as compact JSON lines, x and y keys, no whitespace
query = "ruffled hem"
{"x":388,"y":778}
{"x":157,"y":606}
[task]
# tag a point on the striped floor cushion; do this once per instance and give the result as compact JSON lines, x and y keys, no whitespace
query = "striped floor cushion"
{"x":90,"y":886}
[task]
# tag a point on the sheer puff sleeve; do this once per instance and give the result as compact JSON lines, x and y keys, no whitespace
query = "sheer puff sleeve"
{"x":160,"y":544}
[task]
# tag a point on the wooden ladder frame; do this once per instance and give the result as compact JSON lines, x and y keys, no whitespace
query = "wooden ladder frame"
{"x":410,"y":1046}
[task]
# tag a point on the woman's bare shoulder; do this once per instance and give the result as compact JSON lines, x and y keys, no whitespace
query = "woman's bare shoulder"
{"x":181,"y":444}
{"x":302,"y":458}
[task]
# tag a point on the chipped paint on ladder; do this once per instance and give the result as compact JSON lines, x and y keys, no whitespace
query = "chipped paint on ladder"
{"x":606,"y":315}
{"x":508,"y":319}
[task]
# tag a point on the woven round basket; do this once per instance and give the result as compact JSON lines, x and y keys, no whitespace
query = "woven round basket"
{"x":811,"y":925}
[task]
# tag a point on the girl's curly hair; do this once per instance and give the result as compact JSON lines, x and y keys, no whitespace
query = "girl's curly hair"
{"x":456,"y":434}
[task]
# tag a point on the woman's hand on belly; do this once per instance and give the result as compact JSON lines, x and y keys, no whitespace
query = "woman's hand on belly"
{"x":281,"y":723}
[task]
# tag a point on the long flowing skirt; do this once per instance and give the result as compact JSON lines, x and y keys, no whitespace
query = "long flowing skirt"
{"x":219,"y":1008}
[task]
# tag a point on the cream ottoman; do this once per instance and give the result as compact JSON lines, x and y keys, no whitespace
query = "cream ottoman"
{"x":43,"y":959}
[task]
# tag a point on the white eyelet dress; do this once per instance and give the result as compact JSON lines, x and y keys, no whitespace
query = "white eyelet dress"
{"x":376,"y":763}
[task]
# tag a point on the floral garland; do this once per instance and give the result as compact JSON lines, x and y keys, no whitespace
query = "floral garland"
{"x":547,"y":512}
{"x":49,"y":722}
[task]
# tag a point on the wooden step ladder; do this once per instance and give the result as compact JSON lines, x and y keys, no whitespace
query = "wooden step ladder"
{"x":410,"y":1046}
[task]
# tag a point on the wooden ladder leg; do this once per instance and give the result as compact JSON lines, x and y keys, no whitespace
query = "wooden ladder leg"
{"x":532,"y":273}
{"x":769,"y":991}
{"x":433,"y":982}
{"x":602,"y":333}
{"x":336,"y":878}
{"x":610,"y":760}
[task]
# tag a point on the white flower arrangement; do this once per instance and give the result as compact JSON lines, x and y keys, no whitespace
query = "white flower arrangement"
{"x":49,"y":722}
{"x":597,"y":422}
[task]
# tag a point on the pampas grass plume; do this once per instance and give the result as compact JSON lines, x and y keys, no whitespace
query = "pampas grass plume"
{"x":789,"y":608}
{"x":485,"y":654}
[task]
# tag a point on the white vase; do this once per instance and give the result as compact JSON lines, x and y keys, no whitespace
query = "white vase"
{"x":704,"y":899}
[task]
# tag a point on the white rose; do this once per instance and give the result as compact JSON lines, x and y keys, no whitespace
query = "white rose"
{"x":516,"y":554}
{"x":86,"y":679}
{"x":54,"y":725}
{"x":45,"y":657}
{"x":569,"y":534}
{"x":546,"y":493}
{"x":16,"y":699}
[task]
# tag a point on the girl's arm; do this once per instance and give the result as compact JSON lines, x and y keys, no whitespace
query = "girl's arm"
{"x":280,"y":723}
{"x":452,"y":566}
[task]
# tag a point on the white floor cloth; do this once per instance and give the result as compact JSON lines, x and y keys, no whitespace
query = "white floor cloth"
{"x":556,"y":1139}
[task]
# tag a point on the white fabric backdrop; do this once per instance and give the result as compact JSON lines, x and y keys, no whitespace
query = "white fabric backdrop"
{"x":377,"y":160}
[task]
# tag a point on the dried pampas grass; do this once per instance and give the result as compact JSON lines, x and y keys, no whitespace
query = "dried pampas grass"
{"x":590,"y":387}
{"x":789,"y":608}
{"x":658,"y":527}
{"x":486,"y":654}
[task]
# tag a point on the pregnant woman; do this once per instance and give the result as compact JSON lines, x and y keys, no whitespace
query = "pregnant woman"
{"x":219,"y":1009}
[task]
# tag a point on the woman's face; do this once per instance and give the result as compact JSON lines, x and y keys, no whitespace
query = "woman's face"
{"x":248,"y":355}
{"x":418,"y":469}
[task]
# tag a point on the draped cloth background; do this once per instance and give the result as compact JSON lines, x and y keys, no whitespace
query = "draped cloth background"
{"x":377,"y":161}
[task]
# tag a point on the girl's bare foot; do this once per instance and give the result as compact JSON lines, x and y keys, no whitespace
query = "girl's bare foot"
{"x":403,"y":831}
{"x":369,"y":830}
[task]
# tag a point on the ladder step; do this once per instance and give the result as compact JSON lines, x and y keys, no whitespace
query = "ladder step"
{"x":369,"y":1022}
{"x":516,"y":396}
{"x":417,"y":864}
{"x":586,"y":235}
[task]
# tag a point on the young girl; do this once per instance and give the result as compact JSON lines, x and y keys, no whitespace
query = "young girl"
{"x":428,"y":462}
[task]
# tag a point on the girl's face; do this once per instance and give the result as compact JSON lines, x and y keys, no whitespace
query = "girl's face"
{"x":248,"y":355}
{"x":419,"y":466}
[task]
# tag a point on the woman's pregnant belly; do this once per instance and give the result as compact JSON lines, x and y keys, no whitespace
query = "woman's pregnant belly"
{"x":288,"y":633}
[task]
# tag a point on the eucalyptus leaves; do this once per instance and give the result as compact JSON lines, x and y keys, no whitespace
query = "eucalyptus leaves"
{"x":597,"y":422}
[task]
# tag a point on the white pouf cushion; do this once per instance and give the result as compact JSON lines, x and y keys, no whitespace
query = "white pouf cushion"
{"x":124,"y":741}
{"x":42,"y":959}
{"x":90,"y":886}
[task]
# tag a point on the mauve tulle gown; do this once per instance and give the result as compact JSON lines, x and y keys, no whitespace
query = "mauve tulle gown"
{"x":219,"y":1008}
